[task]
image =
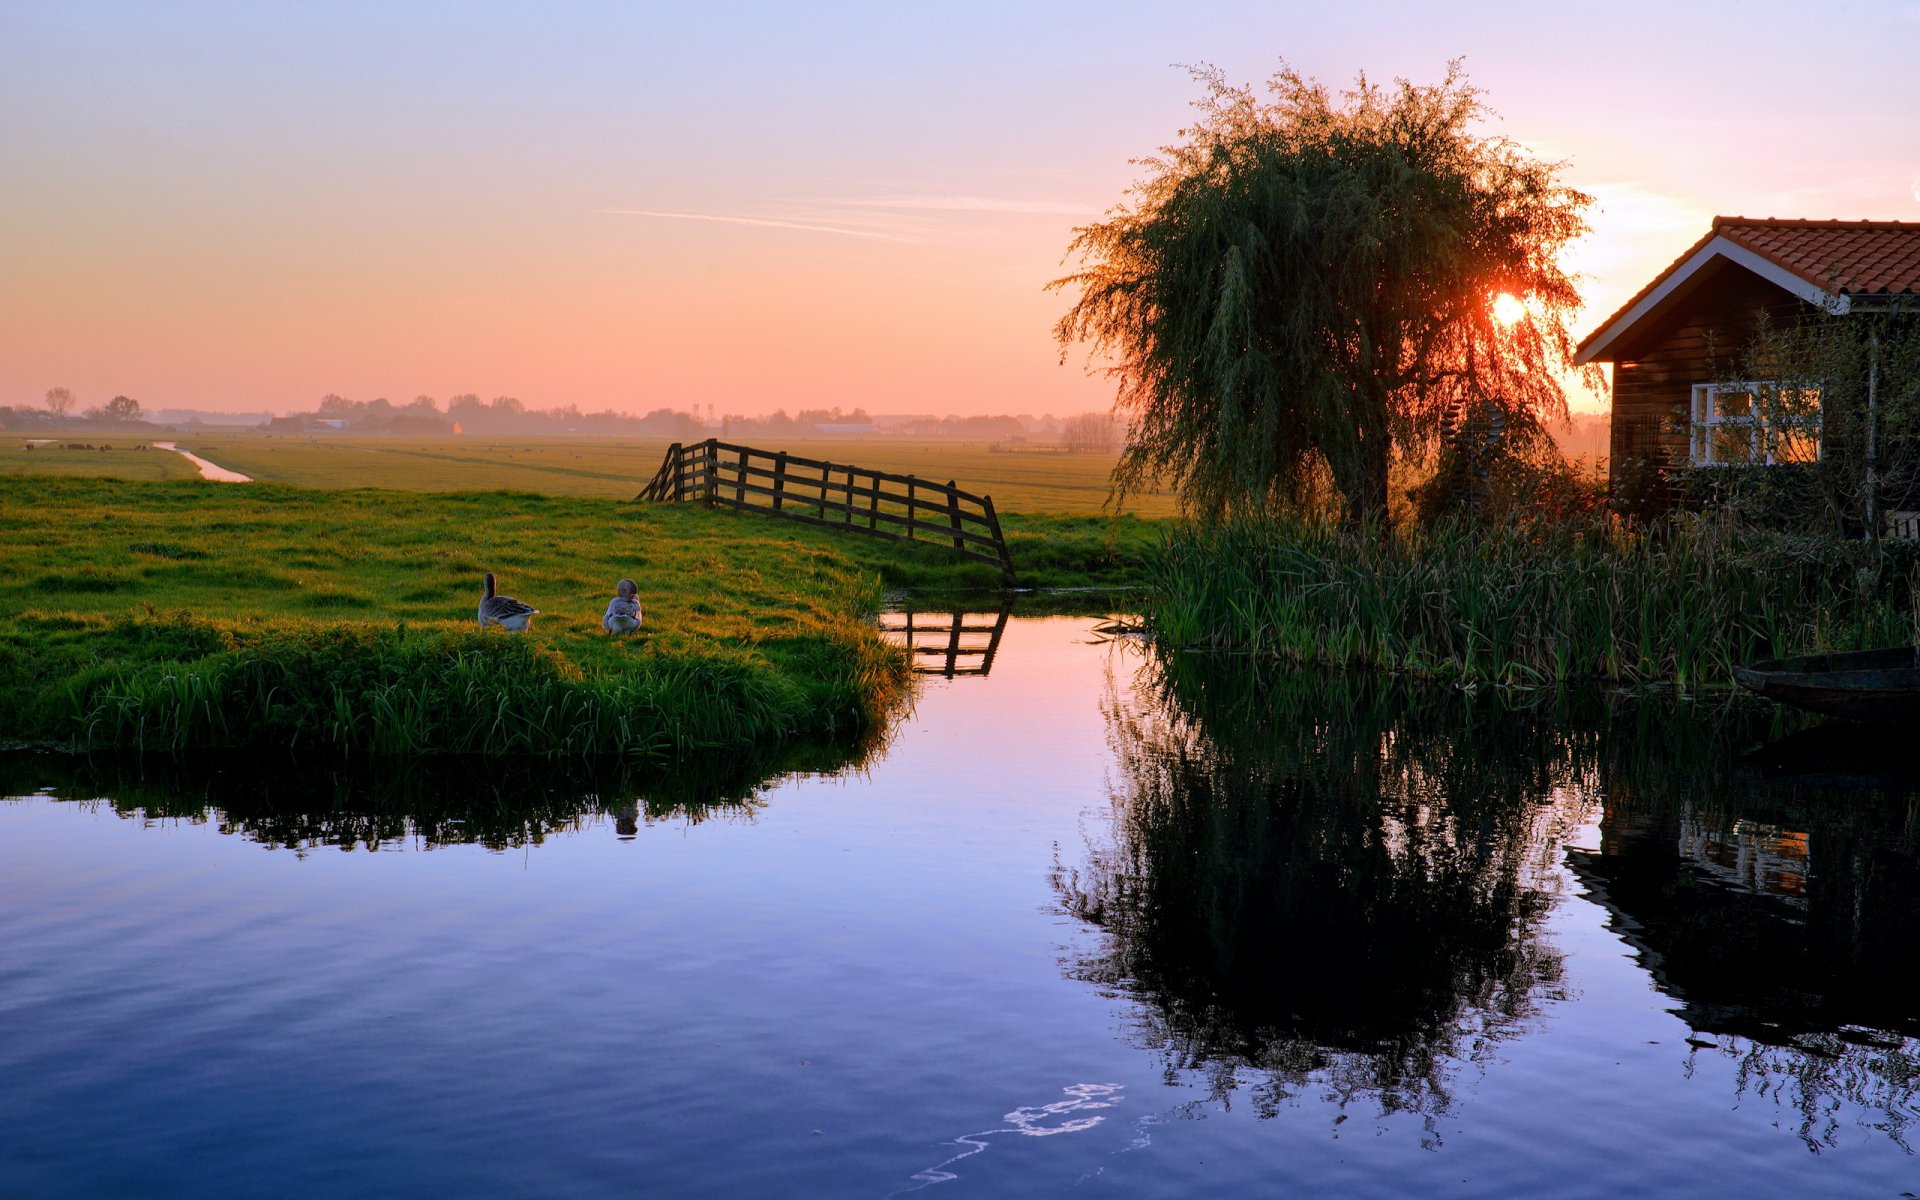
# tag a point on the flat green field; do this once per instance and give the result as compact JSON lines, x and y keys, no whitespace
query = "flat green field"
{"x":121,"y":462}
{"x":331,"y":601}
{"x":191,"y":614}
{"x":196,"y":614}
{"x":1019,"y":482}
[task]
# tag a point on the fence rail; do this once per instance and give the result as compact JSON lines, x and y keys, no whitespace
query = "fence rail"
{"x":833,"y":495}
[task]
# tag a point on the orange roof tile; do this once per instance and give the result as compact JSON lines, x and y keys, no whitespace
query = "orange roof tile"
{"x":1860,"y":257}
{"x":1856,"y":258}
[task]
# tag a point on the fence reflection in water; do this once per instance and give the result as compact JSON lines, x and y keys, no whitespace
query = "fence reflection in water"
{"x":948,"y":642}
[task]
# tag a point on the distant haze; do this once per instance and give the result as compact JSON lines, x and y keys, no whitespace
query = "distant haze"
{"x":246,"y":207}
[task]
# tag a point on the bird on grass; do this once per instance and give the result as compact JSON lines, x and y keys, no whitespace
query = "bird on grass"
{"x":623,"y":611}
{"x":504,"y":611}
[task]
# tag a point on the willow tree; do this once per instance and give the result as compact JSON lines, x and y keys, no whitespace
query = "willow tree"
{"x":1304,"y":289}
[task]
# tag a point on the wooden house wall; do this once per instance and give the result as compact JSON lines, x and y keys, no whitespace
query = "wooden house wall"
{"x":1700,"y":342}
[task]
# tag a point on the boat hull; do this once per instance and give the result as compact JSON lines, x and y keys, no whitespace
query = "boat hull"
{"x":1881,"y":686}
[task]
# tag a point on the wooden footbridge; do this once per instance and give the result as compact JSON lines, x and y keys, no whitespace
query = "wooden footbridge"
{"x":834,"y":495}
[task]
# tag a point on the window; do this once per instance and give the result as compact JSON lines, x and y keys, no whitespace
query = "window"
{"x":1755,"y":423}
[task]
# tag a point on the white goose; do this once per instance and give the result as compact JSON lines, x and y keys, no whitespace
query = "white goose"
{"x":504,"y":611}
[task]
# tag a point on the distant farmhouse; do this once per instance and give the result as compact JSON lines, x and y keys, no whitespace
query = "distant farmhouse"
{"x":1671,"y":346}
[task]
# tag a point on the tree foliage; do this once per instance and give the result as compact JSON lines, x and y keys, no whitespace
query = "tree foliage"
{"x":1301,"y":290}
{"x":59,"y":401}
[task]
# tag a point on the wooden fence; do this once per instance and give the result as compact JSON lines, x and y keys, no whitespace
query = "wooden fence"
{"x":948,"y":643}
{"x":834,"y":495}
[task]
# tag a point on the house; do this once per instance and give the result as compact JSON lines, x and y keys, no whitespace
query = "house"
{"x":1673,"y":345}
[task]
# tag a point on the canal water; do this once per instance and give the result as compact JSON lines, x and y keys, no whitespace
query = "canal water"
{"x":1086,"y":923}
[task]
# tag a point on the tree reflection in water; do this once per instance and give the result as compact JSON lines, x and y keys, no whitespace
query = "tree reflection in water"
{"x":1337,"y":885}
{"x":1308,"y":883}
{"x":429,"y":802}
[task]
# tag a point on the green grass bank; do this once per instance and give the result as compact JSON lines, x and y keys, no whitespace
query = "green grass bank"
{"x":1681,"y":604}
{"x":185,"y":615}
{"x":188,"y":615}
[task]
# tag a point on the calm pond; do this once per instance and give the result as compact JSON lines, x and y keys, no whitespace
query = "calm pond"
{"x":1085,"y":924}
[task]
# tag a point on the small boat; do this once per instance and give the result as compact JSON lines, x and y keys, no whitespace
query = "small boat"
{"x":1860,"y":685}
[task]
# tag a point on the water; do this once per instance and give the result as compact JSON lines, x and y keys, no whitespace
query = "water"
{"x":1083,"y":925}
{"x":208,"y":470}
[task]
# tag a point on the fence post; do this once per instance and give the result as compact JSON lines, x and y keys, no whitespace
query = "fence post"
{"x":849,"y":511}
{"x":713,"y":468}
{"x":779,"y":481}
{"x":679,"y":484}
{"x":911,"y":502}
{"x":740,"y":478}
{"x":826,"y":471}
{"x":873,"y":500}
{"x":953,"y":514}
{"x":999,"y":539}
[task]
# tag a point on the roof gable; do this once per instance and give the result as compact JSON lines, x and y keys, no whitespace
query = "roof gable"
{"x":1832,"y":264}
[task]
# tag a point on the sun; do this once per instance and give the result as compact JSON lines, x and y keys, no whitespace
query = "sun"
{"x":1507,"y":308}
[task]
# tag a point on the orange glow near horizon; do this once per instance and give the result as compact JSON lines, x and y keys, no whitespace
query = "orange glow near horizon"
{"x":636,"y":207}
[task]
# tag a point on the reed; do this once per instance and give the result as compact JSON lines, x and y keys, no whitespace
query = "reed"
{"x":1682,"y":603}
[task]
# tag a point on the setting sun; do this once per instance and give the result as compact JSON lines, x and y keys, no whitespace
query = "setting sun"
{"x":1507,"y":308}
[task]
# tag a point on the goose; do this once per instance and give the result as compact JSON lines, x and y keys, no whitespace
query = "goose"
{"x":623,"y":611}
{"x":504,"y":611}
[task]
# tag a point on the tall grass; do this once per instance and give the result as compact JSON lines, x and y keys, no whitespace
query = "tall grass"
{"x":395,"y":690}
{"x":1684,"y":602}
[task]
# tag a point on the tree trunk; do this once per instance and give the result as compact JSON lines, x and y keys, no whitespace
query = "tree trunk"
{"x":1367,"y":500}
{"x":1361,"y":474}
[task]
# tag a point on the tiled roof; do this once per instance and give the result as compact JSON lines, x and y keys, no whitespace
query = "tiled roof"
{"x":1857,"y":257}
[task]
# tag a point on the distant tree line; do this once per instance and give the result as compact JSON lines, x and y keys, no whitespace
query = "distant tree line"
{"x":58,"y":413}
{"x":1098,"y":432}
{"x":501,"y":415}
{"x":1095,"y":431}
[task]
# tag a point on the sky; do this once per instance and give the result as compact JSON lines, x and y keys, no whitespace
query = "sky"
{"x":246,"y":206}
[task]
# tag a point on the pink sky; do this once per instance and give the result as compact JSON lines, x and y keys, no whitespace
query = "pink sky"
{"x":245,"y":206}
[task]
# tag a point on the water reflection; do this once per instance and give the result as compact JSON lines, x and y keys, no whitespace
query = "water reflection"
{"x":1776,"y":910}
{"x":1334,"y":884}
{"x":428,"y":802}
{"x":948,"y":642}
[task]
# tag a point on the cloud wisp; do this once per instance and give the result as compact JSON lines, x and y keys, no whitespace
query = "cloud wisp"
{"x":981,"y":204}
{"x":764,"y":222}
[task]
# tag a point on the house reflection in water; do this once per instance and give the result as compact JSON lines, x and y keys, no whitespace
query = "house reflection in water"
{"x":1332,"y":883}
{"x":1779,"y":917}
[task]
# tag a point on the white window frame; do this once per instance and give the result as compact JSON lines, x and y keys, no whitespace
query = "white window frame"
{"x":1707,"y":420}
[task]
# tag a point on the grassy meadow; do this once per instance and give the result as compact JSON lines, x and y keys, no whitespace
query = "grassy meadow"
{"x":1022,"y":482}
{"x":331,"y":602}
{"x":180,"y":615}
{"x":161,"y":612}
{"x":122,"y":461}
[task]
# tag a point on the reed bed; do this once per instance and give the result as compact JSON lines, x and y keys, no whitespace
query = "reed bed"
{"x":1681,"y":603}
